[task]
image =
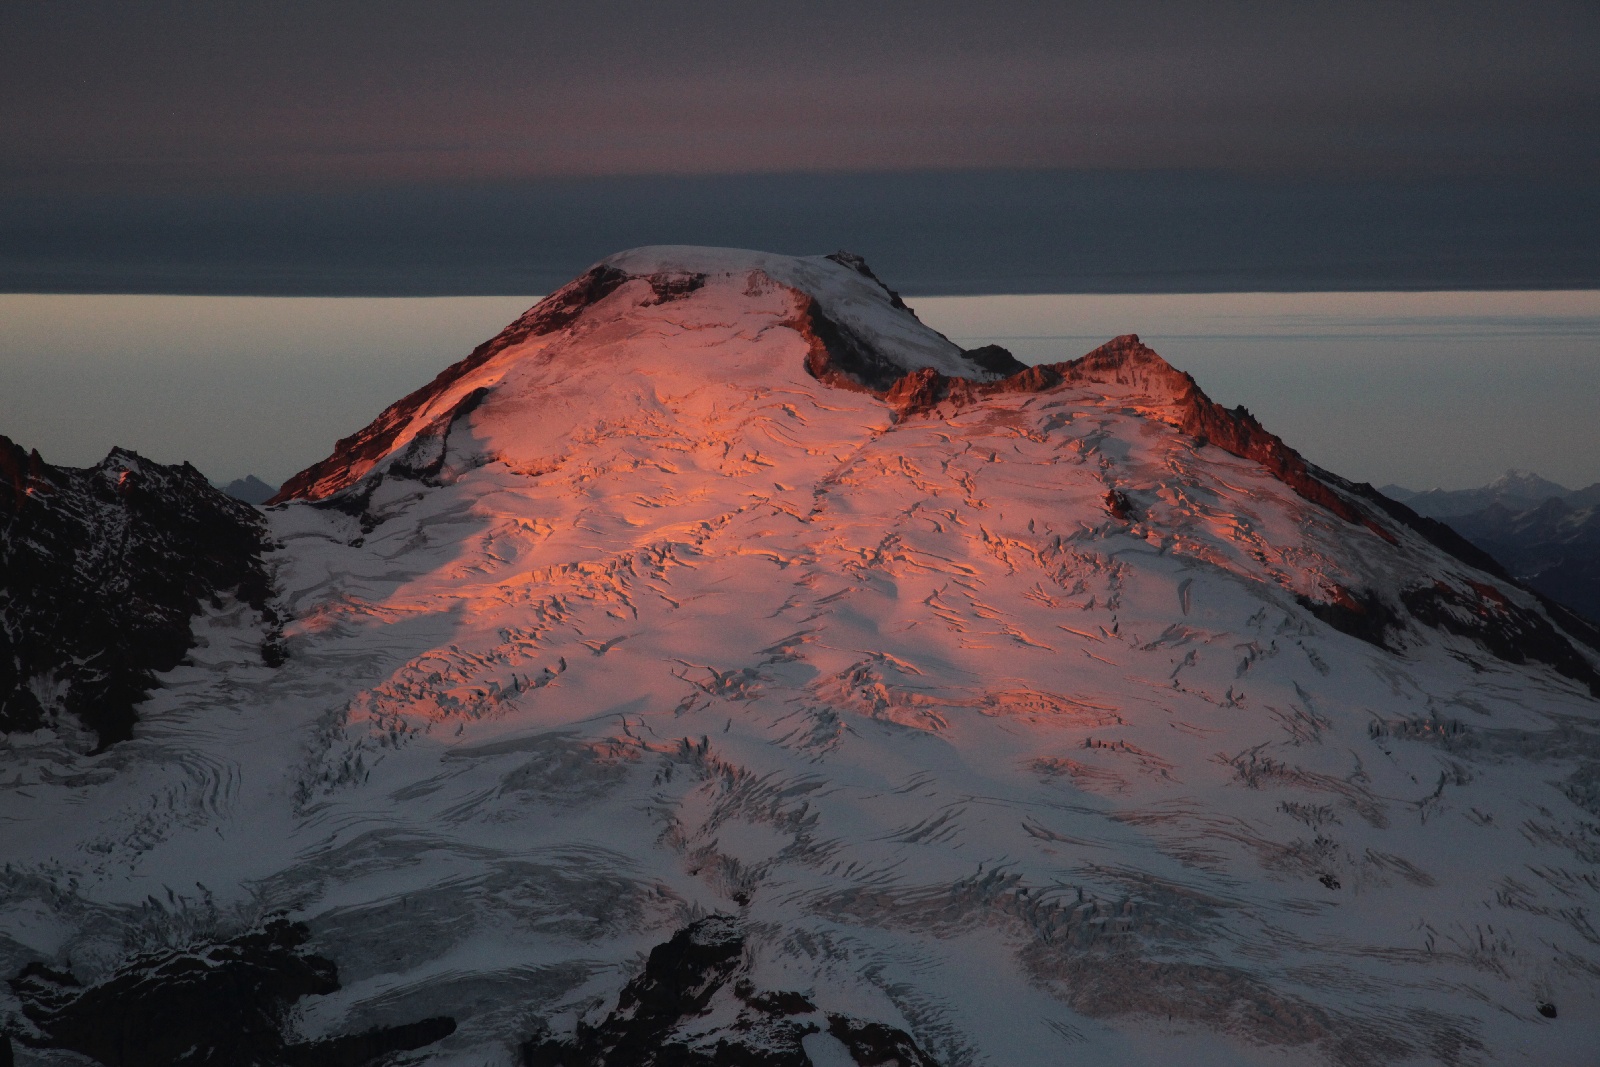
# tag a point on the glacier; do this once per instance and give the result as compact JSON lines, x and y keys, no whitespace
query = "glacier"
{"x":952,"y":712}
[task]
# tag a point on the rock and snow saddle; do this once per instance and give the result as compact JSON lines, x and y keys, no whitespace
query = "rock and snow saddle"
{"x":719,"y":666}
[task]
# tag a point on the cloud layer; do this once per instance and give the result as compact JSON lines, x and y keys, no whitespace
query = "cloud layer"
{"x":109,"y":96}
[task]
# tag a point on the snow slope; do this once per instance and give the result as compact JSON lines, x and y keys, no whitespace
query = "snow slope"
{"x":999,"y":711}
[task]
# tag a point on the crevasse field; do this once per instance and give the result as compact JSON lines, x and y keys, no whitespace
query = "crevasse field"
{"x":1009,"y":719}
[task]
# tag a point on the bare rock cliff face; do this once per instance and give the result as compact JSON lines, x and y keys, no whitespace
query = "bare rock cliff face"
{"x":103,"y":570}
{"x":675,"y":1014}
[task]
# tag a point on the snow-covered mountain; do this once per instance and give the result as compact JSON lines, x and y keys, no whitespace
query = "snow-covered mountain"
{"x":720,"y":667}
{"x":1515,"y":490}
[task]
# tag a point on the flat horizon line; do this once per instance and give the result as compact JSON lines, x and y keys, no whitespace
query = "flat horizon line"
{"x":391,"y":294}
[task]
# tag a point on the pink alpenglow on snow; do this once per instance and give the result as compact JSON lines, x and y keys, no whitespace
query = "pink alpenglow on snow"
{"x":718,"y":658}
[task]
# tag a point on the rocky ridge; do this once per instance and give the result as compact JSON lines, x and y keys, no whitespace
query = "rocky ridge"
{"x":104,"y":569}
{"x":676,"y":1014}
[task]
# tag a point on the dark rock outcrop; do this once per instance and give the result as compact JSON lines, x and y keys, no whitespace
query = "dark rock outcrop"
{"x":1363,"y":615}
{"x":1513,"y":633}
{"x":992,"y":359}
{"x":1119,"y":506}
{"x":102,"y":571}
{"x":859,"y":264}
{"x":670,"y":287}
{"x":222,"y":1004}
{"x":660,"y":1017}
{"x":839,"y":358}
{"x":424,"y":455}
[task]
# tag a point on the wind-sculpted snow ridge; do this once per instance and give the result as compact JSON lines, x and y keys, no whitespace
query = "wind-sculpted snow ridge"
{"x":669,"y":679}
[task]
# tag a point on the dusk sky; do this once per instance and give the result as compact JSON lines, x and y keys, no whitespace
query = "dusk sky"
{"x":820,"y":533}
{"x":158,"y":146}
{"x":496,"y":149}
{"x":117,"y":97}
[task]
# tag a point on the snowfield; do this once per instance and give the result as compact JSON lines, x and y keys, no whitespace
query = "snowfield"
{"x":1004,"y":721}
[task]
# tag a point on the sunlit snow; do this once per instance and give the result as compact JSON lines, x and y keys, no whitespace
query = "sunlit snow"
{"x":671,"y":628}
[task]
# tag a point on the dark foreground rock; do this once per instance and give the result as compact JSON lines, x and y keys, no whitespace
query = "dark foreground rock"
{"x":221,"y":1004}
{"x":102,"y":570}
{"x":694,"y":1006}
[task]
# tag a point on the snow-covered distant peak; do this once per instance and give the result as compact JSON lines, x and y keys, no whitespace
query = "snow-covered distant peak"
{"x":1527,"y":484}
{"x":1516,"y":490}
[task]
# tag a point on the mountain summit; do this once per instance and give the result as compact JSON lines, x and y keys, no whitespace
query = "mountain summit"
{"x":719,"y":666}
{"x":626,"y":327}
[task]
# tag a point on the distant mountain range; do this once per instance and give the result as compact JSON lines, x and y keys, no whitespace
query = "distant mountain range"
{"x":1545,"y":534}
{"x":1514,"y":490}
{"x":250,"y":489}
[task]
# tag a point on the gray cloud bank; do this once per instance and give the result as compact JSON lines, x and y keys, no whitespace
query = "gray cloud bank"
{"x":485,"y":147}
{"x":113,"y":96}
{"x":926,"y":232}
